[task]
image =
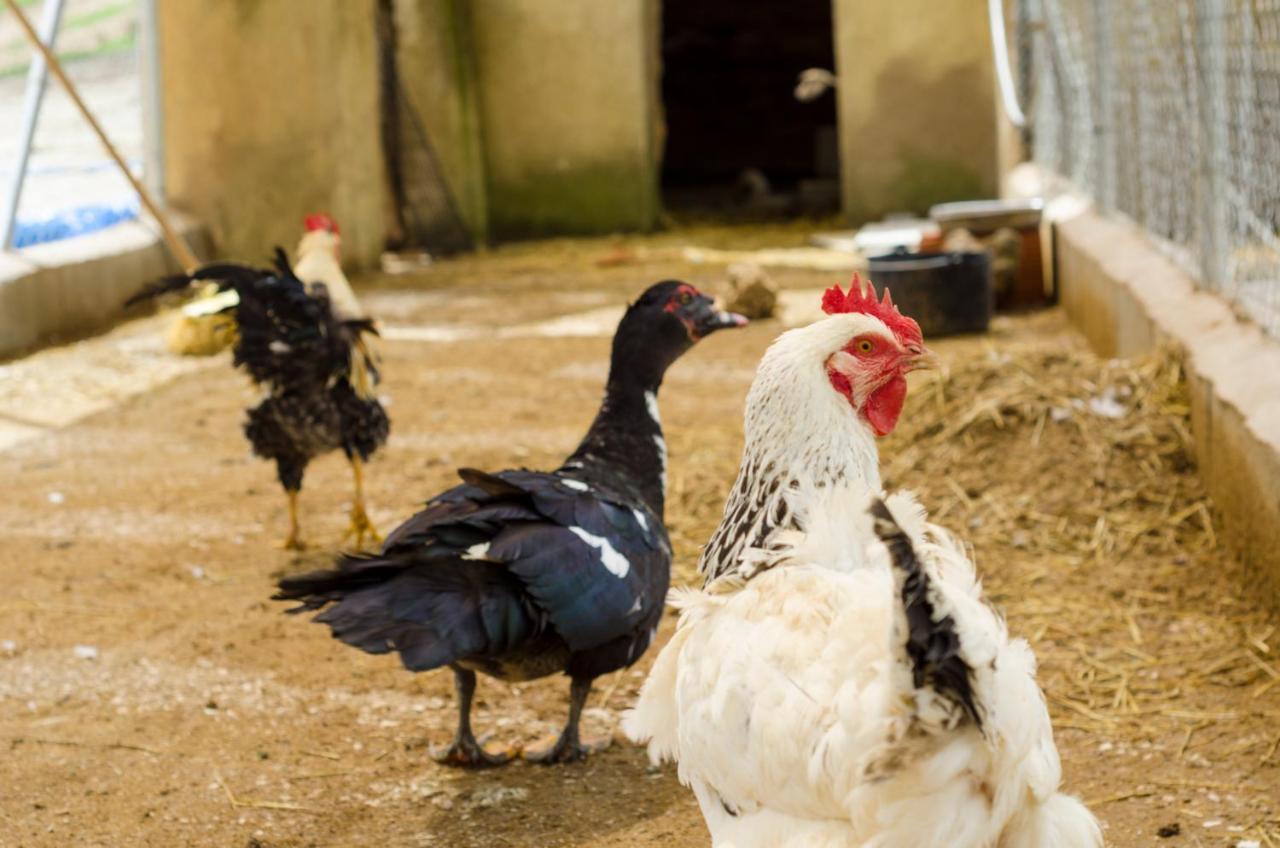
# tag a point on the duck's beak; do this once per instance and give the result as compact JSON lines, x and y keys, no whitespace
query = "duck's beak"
{"x":706,"y":319}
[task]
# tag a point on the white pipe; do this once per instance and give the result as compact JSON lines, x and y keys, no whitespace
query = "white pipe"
{"x":1004,"y":73}
{"x":152,"y":116}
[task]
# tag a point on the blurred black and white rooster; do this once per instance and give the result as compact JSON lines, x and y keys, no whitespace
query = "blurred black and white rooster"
{"x":523,"y":574}
{"x":304,"y":346}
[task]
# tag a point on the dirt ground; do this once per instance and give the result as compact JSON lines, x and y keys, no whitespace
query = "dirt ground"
{"x":152,"y":694}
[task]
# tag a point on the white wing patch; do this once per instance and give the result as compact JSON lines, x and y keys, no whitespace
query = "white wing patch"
{"x":651,"y":402}
{"x":479,"y":552}
{"x":662,"y":458}
{"x":644,"y":522}
{"x":576,"y":485}
{"x":617,"y":564}
{"x":278,"y":347}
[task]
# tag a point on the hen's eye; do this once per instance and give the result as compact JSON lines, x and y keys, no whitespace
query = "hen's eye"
{"x":865,"y":346}
{"x":685,"y":298}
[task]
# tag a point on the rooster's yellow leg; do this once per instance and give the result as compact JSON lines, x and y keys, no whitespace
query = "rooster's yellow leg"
{"x":360,"y":526}
{"x":292,"y":542}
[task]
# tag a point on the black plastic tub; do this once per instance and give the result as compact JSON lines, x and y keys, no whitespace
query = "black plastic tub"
{"x":947,"y":293}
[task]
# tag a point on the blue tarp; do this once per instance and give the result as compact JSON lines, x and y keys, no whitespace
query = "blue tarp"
{"x":73,"y":222}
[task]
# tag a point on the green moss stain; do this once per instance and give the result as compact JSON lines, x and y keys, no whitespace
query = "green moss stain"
{"x":470,"y":186}
{"x":925,"y":179}
{"x":595,"y":198}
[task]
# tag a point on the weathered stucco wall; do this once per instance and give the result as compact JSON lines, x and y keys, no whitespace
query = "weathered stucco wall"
{"x":917,"y":104}
{"x":1126,"y":297}
{"x":271,"y":112}
{"x":437,"y":69}
{"x":567,"y":111}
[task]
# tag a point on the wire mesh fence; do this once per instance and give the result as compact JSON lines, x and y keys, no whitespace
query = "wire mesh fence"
{"x":1168,"y":112}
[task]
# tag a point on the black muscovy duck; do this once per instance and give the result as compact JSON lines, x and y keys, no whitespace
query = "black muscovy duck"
{"x":523,"y":574}
{"x":315,"y":366}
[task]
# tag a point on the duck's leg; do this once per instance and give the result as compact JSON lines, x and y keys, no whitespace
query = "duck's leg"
{"x":465,"y":750}
{"x":569,"y":747}
{"x":360,"y":525}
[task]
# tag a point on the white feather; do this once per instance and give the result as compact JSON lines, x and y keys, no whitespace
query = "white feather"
{"x":789,"y":700}
{"x":651,"y":403}
{"x":318,"y":263}
{"x":799,"y":431}
{"x":662,"y":459}
{"x":616,"y":563}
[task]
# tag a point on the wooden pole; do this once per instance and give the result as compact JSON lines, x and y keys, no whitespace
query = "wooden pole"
{"x":179,"y":248}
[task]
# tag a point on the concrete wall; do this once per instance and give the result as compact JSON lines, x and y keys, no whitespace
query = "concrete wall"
{"x":271,"y":111}
{"x":437,"y":68}
{"x":1126,"y":297}
{"x":566,"y":103}
{"x":66,"y":288}
{"x":917,"y":104}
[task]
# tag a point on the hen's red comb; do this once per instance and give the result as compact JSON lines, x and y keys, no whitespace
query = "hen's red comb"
{"x":320,"y":222}
{"x":862,"y":298}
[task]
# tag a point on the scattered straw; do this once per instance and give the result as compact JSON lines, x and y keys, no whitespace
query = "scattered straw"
{"x":240,"y":803}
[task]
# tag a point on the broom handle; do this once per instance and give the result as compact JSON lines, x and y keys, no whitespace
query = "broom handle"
{"x":179,"y":248}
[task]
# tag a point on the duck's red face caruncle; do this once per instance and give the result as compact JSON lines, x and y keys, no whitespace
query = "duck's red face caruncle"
{"x":870,"y":370}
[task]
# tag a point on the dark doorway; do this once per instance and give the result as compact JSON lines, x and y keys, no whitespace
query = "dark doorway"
{"x":737,"y":137}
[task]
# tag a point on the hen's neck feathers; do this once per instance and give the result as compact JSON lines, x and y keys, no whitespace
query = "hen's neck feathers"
{"x":318,"y":263}
{"x":801,"y":434}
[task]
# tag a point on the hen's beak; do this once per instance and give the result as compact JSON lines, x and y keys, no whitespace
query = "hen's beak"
{"x":920,"y":358}
{"x":706,"y":319}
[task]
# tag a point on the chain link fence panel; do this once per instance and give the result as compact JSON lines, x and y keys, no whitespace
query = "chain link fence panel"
{"x":1167,"y":112}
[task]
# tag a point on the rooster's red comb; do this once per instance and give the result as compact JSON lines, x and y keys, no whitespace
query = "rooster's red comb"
{"x":320,"y":222}
{"x":862,"y":298}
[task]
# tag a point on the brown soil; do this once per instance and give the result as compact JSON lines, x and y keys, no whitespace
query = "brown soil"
{"x":210,"y":718}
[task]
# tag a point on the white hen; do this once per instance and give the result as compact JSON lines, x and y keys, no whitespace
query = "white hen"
{"x":821,"y":692}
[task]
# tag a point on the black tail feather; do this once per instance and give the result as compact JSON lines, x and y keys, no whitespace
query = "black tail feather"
{"x":232,"y":275}
{"x":163,"y":286}
{"x":280,"y":260}
{"x":431,"y":613}
{"x":933,"y":643}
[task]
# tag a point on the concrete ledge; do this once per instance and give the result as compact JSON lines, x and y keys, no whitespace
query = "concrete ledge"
{"x":1127,"y":297}
{"x":71,"y":287}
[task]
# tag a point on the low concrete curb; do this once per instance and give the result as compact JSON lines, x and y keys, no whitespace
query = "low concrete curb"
{"x":71,"y":287}
{"x":1126,"y":297}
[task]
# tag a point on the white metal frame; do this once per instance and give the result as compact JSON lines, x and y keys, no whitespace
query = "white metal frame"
{"x":33,"y":99}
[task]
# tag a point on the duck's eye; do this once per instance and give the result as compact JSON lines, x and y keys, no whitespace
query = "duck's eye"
{"x":685,"y":298}
{"x":865,"y":346}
